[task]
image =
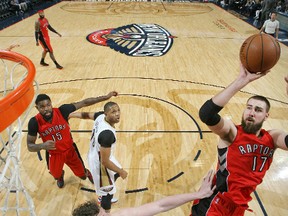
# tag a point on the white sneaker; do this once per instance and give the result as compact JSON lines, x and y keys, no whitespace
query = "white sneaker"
{"x":114,"y":200}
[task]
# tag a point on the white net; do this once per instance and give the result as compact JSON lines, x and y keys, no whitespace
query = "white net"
{"x":14,"y":199}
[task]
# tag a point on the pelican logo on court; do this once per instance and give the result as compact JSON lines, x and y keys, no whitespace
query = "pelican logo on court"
{"x":135,"y":39}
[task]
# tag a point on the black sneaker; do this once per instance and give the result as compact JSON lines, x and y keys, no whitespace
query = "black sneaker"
{"x":89,"y":176}
{"x":59,"y":67}
{"x":44,"y":63}
{"x":60,"y":181}
{"x":113,"y":200}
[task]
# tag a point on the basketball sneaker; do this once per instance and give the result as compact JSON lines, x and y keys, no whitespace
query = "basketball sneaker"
{"x":89,"y":176}
{"x":44,"y":63}
{"x":59,"y":67}
{"x":60,"y":181}
{"x":113,"y":200}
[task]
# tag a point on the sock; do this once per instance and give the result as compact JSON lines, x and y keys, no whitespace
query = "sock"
{"x":56,"y":63}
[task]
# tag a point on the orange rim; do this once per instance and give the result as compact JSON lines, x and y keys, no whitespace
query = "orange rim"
{"x":16,"y":102}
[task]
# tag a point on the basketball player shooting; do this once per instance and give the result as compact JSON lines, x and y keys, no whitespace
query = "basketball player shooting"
{"x":245,"y":151}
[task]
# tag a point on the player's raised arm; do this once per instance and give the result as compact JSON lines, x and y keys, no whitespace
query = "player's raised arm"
{"x":209,"y":111}
{"x":93,"y":100}
{"x":82,"y":115}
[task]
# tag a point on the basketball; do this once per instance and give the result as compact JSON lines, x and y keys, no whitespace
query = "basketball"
{"x":259,"y":53}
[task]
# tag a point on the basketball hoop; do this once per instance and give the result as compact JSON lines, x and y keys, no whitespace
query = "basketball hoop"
{"x":15,"y":104}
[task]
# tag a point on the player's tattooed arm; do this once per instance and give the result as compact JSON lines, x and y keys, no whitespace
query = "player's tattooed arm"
{"x":33,"y":147}
{"x":37,"y":30}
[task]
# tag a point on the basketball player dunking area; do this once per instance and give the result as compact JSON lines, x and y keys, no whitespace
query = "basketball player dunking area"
{"x":245,"y":151}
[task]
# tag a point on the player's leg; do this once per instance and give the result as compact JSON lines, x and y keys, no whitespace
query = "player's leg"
{"x":88,"y":173}
{"x":75,"y":162}
{"x":56,"y":164}
{"x":106,"y":202}
{"x":42,"y":62}
{"x":47,"y":40}
{"x":45,"y":50}
{"x":54,"y":60}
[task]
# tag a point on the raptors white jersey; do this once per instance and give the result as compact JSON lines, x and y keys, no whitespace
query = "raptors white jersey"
{"x":103,"y":177}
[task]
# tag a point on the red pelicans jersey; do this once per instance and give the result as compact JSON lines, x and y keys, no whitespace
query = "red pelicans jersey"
{"x":43,"y":26}
{"x":58,"y":130}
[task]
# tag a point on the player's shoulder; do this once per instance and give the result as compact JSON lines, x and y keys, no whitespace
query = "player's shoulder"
{"x":275,"y":132}
{"x":33,"y":120}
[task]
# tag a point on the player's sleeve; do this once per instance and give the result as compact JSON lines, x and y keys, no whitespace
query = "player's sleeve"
{"x":96,"y":114}
{"x":32,"y":127}
{"x":66,"y":109}
{"x":106,"y":138}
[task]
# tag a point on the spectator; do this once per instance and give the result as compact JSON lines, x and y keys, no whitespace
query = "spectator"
{"x":267,"y":7}
{"x":256,"y":7}
{"x":18,"y":7}
{"x":246,"y":9}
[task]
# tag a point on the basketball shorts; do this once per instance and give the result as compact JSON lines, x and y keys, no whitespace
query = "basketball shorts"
{"x":104,"y":179}
{"x":219,"y":205}
{"x":45,"y":43}
{"x":71,"y":158}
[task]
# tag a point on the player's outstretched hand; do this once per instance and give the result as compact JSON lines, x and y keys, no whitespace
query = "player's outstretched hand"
{"x":248,"y":76}
{"x":111,"y":94}
{"x":206,"y":189}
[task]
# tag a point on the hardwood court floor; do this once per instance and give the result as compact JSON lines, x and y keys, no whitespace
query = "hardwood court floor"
{"x":158,"y":136}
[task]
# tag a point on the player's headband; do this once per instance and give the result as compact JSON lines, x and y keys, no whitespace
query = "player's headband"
{"x":40,"y":11}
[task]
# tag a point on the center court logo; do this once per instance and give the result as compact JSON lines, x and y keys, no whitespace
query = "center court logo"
{"x":135,"y":39}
